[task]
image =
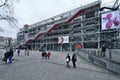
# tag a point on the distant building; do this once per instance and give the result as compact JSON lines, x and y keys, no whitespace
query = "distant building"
{"x":5,"y":42}
{"x":14,"y":43}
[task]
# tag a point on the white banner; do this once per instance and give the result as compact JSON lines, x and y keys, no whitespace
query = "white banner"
{"x":26,"y":36}
{"x":64,"y":39}
{"x":110,"y":20}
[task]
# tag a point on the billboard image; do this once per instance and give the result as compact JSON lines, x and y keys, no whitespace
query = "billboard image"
{"x":110,"y":20}
{"x":64,"y":39}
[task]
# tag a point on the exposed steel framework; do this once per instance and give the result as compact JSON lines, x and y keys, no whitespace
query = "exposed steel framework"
{"x":82,"y":25}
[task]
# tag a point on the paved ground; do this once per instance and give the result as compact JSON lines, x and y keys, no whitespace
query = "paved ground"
{"x":33,"y":68}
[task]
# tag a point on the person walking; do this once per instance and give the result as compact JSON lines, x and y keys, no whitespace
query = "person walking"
{"x":74,"y":59}
{"x":48,"y":55}
{"x":27,"y":52}
{"x":11,"y":55}
{"x":110,"y":52}
{"x":42,"y":55}
{"x":18,"y":52}
{"x":68,"y":60}
{"x":103,"y":51}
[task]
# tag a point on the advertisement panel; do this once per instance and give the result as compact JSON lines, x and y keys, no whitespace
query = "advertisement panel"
{"x":110,"y":20}
{"x":64,"y":39}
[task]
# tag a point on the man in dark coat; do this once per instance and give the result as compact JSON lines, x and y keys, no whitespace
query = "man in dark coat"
{"x":18,"y":52}
{"x":11,"y":55}
{"x":103,"y":51}
{"x":74,"y":59}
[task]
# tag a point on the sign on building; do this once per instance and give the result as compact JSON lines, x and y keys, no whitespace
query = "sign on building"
{"x":78,"y":46}
{"x":110,"y":20}
{"x":63,"y":39}
{"x":26,"y":36}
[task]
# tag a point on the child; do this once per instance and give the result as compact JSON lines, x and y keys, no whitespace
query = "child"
{"x":68,"y":60}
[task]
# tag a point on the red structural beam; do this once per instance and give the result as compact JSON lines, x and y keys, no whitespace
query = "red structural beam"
{"x":74,"y":16}
{"x":68,"y":21}
{"x":38,"y":35}
{"x":56,"y":25}
{"x":27,"y":41}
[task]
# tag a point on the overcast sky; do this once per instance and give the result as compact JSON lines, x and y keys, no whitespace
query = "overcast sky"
{"x":32,"y":11}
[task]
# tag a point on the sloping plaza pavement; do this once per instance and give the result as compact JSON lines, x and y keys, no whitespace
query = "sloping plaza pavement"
{"x":33,"y":68}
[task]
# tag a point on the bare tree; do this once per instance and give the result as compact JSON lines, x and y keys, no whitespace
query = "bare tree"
{"x":6,"y":12}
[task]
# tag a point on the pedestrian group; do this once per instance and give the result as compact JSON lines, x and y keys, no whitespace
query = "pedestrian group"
{"x":8,"y":55}
{"x":68,"y":59}
{"x":45,"y":55}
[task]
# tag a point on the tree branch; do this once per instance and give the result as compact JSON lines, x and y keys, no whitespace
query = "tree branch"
{"x":4,"y":3}
{"x":7,"y":13}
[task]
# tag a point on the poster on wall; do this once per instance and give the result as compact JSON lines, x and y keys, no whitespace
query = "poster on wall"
{"x":110,"y":20}
{"x":63,"y":39}
{"x":26,"y":36}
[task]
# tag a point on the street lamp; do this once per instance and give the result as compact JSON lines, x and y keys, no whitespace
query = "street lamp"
{"x":113,"y":9}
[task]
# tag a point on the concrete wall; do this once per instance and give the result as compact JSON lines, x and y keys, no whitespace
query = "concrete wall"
{"x":115,"y":54}
{"x":105,"y":63}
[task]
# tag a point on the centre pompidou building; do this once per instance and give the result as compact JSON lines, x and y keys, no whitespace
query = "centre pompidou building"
{"x":80,"y":27}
